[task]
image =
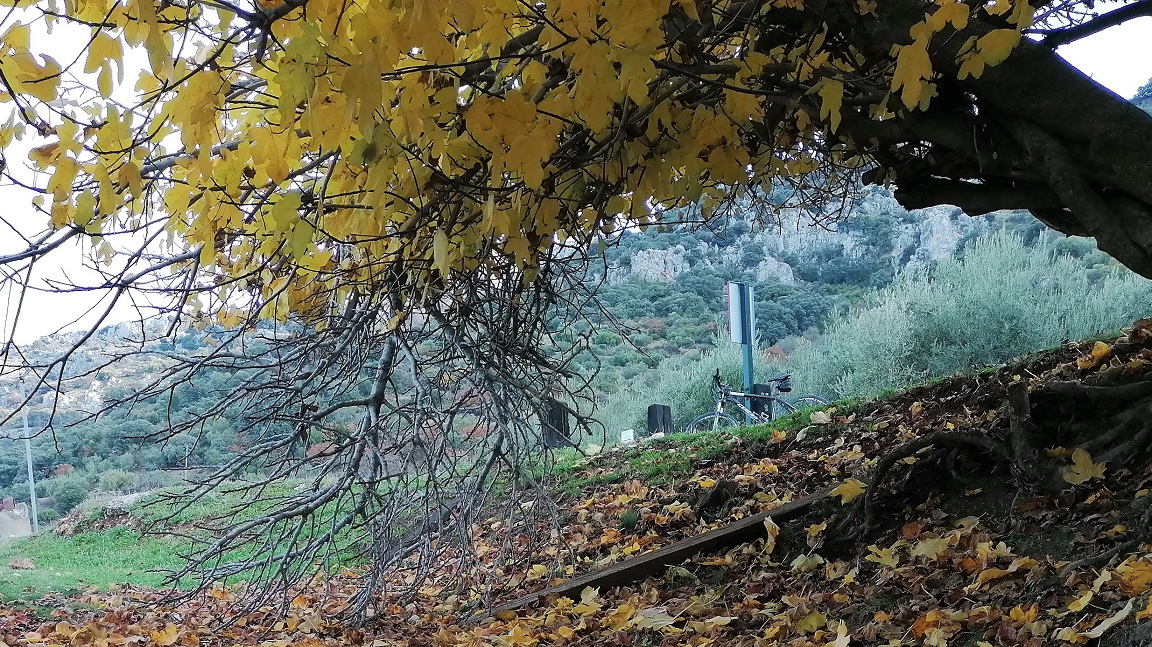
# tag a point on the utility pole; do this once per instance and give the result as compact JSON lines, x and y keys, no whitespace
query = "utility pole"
{"x":28,"y":456}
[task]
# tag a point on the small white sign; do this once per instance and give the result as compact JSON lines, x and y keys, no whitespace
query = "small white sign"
{"x":628,"y":437}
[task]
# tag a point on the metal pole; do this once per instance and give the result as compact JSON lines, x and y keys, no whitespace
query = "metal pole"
{"x":28,"y":456}
{"x":746,"y":307}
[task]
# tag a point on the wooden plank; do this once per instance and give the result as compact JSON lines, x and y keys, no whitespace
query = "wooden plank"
{"x":657,"y":561}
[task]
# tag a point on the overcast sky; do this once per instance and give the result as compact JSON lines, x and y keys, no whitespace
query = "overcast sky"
{"x":1119,"y":58}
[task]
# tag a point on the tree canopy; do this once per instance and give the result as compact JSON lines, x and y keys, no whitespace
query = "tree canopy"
{"x":417,"y":183}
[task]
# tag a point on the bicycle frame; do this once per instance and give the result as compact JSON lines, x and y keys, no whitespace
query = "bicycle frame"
{"x":738,"y":398}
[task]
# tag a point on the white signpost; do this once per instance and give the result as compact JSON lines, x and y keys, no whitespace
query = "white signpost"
{"x":742,"y":324}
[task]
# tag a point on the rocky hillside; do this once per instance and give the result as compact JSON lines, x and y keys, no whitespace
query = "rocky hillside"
{"x":665,"y":294}
{"x":877,"y":230}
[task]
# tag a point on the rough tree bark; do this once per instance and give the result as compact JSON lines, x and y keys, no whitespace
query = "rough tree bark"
{"x":1030,"y":133}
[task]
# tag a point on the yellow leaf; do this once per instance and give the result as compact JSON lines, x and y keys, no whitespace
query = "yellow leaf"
{"x":166,"y":636}
{"x":812,"y":622}
{"x":1135,"y":576}
{"x":773,"y":530}
{"x":843,"y":639}
{"x":989,"y":574}
{"x":1024,"y":616}
{"x":832,"y":96}
{"x":882,"y":556}
{"x":1109,"y":622}
{"x":520,"y":636}
{"x":990,"y":49}
{"x":440,"y":251}
{"x":589,"y":604}
{"x":1080,"y":602}
{"x":1082,"y":468}
{"x":806,"y":563}
{"x":1100,"y":352}
{"x":929,"y":548}
{"x":103,"y":52}
{"x":17,"y":37}
{"x":848,"y":490}
{"x":913,"y":68}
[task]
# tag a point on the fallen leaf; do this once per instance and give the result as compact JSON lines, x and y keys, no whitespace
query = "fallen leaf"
{"x":773,"y":530}
{"x":653,"y":618}
{"x":1135,"y":576}
{"x":842,"y":637}
{"x":1100,"y":352}
{"x":848,"y":490}
{"x":882,"y":556}
{"x":929,"y":548}
{"x":806,"y":563}
{"x":1080,"y":602}
{"x":1109,"y":622}
{"x":812,"y":622}
{"x":1082,"y":468}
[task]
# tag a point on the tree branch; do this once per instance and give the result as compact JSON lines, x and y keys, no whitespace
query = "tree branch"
{"x":1057,"y":38}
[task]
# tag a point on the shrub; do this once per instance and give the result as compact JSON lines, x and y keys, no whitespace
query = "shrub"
{"x":1003,"y":299}
{"x":68,"y":491}
{"x":118,"y":481}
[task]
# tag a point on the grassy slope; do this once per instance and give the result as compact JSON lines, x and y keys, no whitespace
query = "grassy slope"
{"x":103,"y":557}
{"x":97,"y":558}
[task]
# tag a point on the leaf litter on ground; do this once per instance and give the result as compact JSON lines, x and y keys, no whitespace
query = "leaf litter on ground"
{"x":972,"y":565}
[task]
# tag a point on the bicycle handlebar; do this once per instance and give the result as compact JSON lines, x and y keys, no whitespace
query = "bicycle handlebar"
{"x":718,"y":383}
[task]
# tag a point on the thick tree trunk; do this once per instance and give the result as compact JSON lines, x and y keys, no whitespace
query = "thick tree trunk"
{"x":1032,"y":132}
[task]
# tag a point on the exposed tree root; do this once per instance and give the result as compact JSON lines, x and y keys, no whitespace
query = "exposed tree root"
{"x":1113,"y":423}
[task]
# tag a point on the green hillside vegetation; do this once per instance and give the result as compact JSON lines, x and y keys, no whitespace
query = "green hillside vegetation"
{"x":1003,"y":297}
{"x":648,"y":341}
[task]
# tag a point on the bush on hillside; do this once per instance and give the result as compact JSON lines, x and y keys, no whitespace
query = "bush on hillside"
{"x":1003,"y":299}
{"x":68,"y":491}
{"x":118,"y":481}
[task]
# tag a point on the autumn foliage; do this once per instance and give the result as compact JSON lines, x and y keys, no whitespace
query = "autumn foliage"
{"x":301,"y":151}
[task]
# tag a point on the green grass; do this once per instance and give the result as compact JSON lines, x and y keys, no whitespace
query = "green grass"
{"x":97,"y":559}
{"x":675,"y":456}
{"x":162,"y":511}
{"x":103,"y":558}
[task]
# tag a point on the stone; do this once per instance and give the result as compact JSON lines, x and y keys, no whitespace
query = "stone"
{"x":775,"y":270}
{"x":22,"y":564}
{"x":659,"y":265}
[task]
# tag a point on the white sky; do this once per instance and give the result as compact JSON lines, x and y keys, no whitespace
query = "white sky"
{"x":1119,"y":58}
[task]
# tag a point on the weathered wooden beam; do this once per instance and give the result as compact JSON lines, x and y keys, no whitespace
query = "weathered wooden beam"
{"x":655,"y":562}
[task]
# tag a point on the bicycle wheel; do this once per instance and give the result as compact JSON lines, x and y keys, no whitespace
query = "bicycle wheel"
{"x":711,"y":421}
{"x":802,"y":402}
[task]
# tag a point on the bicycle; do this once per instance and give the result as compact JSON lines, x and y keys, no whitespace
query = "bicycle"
{"x":764,"y":412}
